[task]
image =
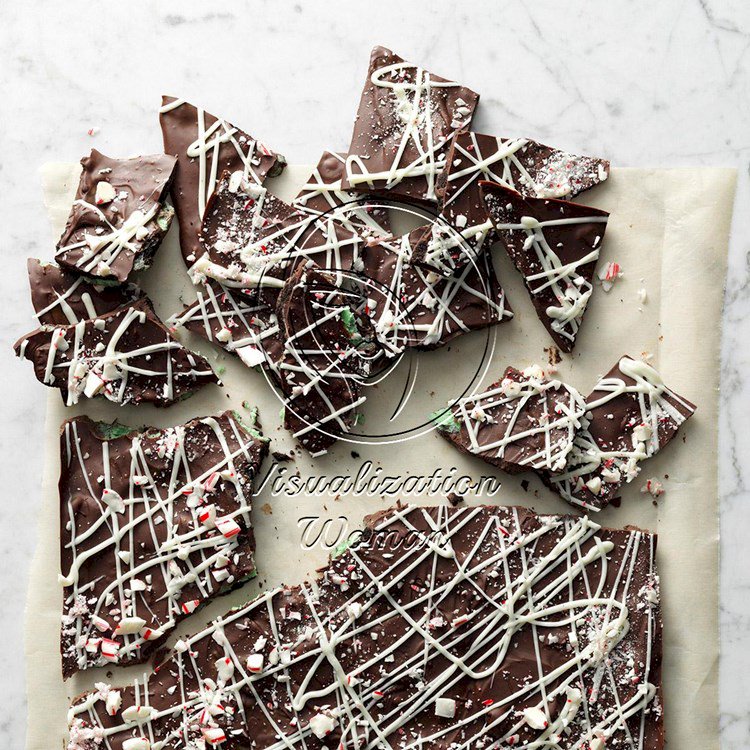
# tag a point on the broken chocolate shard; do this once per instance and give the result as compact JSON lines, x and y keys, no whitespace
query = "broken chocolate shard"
{"x":326,"y":357}
{"x":630,"y":416}
{"x":240,"y":321}
{"x":555,"y":245}
{"x":410,"y":306}
{"x":154,"y":524}
{"x":530,"y":168}
{"x":406,"y":120}
{"x":322,"y":194}
{"x":524,"y":421}
{"x":119,"y":217}
{"x":126,"y":356}
{"x":62,"y":297}
{"x":251,"y":238}
{"x":206,"y":146}
{"x":440,"y":627}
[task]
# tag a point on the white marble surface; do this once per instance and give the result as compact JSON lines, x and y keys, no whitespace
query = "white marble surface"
{"x":644,"y":85}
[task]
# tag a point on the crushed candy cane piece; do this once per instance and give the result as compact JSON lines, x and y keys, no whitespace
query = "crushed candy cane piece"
{"x":228,"y":527}
{"x":608,"y":274}
{"x":254,"y":663}
{"x":129,"y":625}
{"x":137,"y":714}
{"x":445,"y":708}
{"x":535,"y":718}
{"x":322,"y":725}
{"x":653,"y":487}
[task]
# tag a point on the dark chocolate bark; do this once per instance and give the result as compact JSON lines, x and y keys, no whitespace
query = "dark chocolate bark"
{"x":126,"y":356}
{"x":476,"y":627}
{"x":555,"y":245}
{"x":526,"y":166}
{"x":119,"y":218}
{"x":325,"y":358}
{"x":410,"y":306}
{"x":251,"y":238}
{"x":630,"y":416}
{"x":153,"y":525}
{"x":205,"y":146}
{"x":61,"y":297}
{"x":406,"y":119}
{"x":524,"y":421}
{"x":241,"y":321}
{"x":323,"y":194}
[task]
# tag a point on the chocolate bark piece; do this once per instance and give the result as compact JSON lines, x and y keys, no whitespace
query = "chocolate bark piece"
{"x":153,"y":525}
{"x":555,"y":245}
{"x":523,"y":421}
{"x":470,"y":627}
{"x":323,"y":195}
{"x":251,"y":238}
{"x":205,"y":146}
{"x":406,"y":120}
{"x":126,"y":356}
{"x":325,"y":358}
{"x":410,"y":306}
{"x":529,"y":167}
{"x":119,"y":217}
{"x":241,"y":321}
{"x":630,"y":416}
{"x":61,"y":297}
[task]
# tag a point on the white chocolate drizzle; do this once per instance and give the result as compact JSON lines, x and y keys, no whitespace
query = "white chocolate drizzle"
{"x":414,"y":95}
{"x":174,"y":508}
{"x":590,"y":467}
{"x":571,"y":289}
{"x":556,"y":580}
{"x":491,"y":419}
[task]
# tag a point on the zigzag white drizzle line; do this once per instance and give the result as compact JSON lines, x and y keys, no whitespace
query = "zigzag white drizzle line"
{"x":564,"y":408}
{"x":344,"y":204}
{"x":98,"y":373}
{"x":655,"y":402}
{"x":106,"y":248}
{"x":571,"y":290}
{"x":531,"y":600}
{"x":393,"y":325}
{"x":280,"y":248}
{"x":146,"y":500}
{"x":206,"y":149}
{"x":412,"y":103}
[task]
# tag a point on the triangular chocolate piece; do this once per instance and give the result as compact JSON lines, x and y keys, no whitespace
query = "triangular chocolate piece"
{"x":62,"y":297}
{"x":324,"y":360}
{"x":555,"y":245}
{"x":410,"y":306}
{"x":322,"y":194}
{"x":252,"y":238}
{"x":406,"y":120}
{"x":529,"y":167}
{"x":241,"y":321}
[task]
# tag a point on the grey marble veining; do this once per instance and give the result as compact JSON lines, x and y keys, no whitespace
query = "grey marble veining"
{"x":646,"y":84}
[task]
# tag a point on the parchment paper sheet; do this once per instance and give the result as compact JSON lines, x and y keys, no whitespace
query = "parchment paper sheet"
{"x":669,"y":231}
